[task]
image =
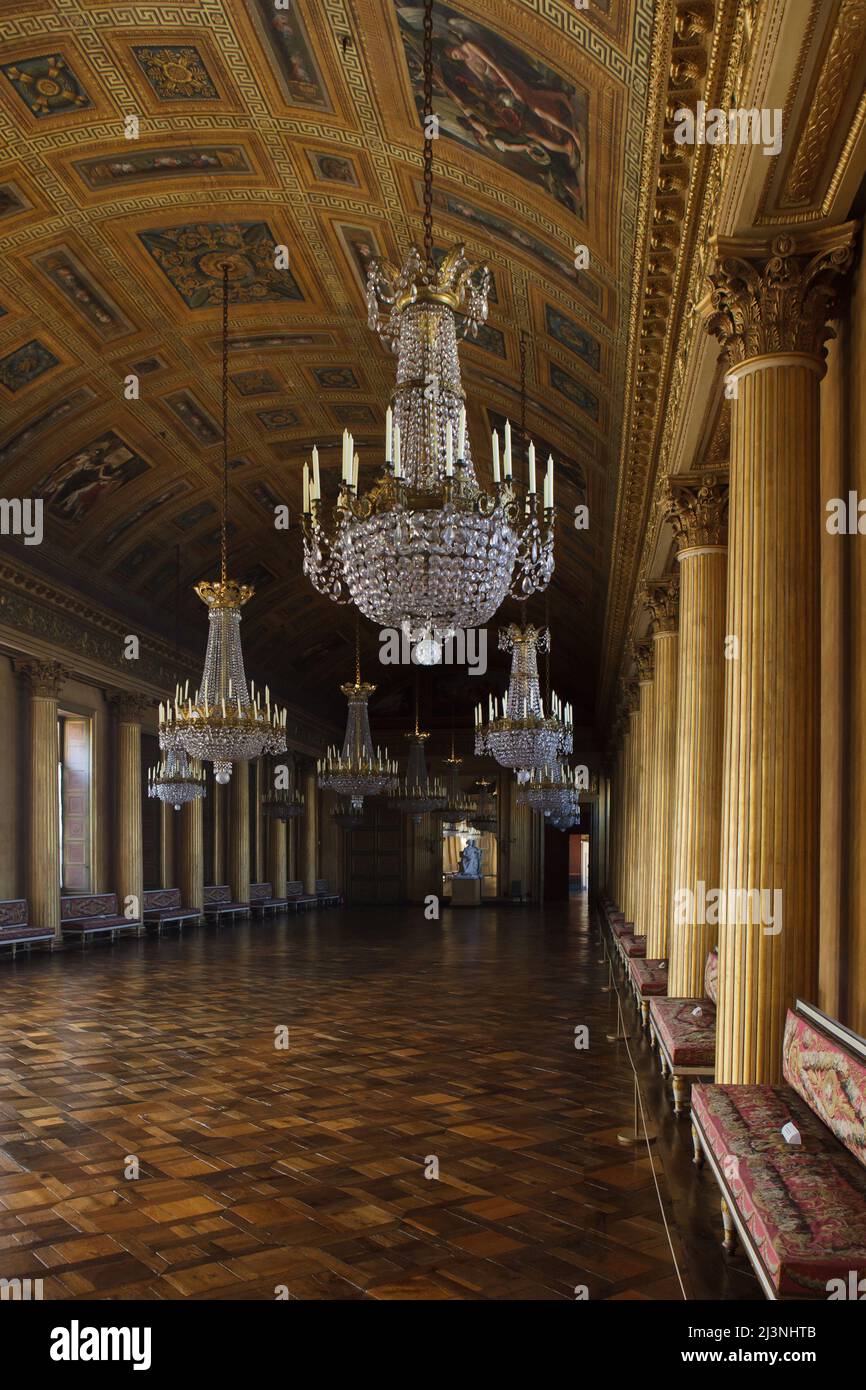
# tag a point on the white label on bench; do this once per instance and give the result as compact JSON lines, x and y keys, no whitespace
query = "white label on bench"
{"x":697,"y":1012}
{"x":791,"y":1134}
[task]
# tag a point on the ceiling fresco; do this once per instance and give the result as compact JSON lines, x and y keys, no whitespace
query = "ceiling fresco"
{"x":256,"y":128}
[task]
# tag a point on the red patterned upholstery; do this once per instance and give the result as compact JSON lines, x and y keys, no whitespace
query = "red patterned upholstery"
{"x":633,"y":945}
{"x":711,"y":975}
{"x":218,"y":900}
{"x":830,"y":1078}
{"x":648,"y":976}
{"x":14,"y":927}
{"x":689,"y":1039}
{"x":81,"y":905}
{"x":161,"y":899}
{"x":13,"y":912}
{"x":804,"y":1206}
{"x":260,"y":892}
{"x":622,"y":928}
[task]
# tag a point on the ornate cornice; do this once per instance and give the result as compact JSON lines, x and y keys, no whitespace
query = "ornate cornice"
{"x":697,"y":508}
{"x":662,"y":600}
{"x":778,"y":295}
{"x":44,"y":679}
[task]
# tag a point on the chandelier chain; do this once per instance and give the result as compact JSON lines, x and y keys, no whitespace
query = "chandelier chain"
{"x":428,"y":133}
{"x":225,"y":423}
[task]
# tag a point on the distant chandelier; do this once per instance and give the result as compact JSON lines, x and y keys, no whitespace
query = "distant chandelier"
{"x":457,"y":810}
{"x":426,"y":549}
{"x":223,"y":723}
{"x":520,"y":735}
{"x":554,"y":791}
{"x":357,"y":770}
{"x":174,"y":781}
{"x":484,"y":817}
{"x":283,"y":803}
{"x":346,"y":818}
{"x":567,"y":819}
{"x":416,"y":793}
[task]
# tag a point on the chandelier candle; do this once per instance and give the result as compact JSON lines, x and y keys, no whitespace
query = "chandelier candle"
{"x":523,"y":736}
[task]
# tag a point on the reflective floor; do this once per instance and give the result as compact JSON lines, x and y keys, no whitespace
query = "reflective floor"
{"x":343,"y":1104}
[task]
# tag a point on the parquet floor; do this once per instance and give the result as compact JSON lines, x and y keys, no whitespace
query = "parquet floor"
{"x":303,"y":1168}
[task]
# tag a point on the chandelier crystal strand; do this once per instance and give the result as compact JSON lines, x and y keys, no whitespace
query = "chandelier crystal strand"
{"x":224,"y":722}
{"x":173,"y":780}
{"x":519,"y":734}
{"x":554,"y":791}
{"x":357,"y":770}
{"x":416,"y":793}
{"x":426,"y":549}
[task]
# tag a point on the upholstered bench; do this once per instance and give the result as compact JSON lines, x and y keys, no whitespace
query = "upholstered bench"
{"x":86,"y":915}
{"x":648,"y":978}
{"x":630,"y":947}
{"x":218,"y":903}
{"x":325,"y":896}
{"x":163,"y":908}
{"x":262,"y":899}
{"x":799,"y":1210}
{"x":297,"y":899}
{"x":685,"y":1032}
{"x":15,"y":929}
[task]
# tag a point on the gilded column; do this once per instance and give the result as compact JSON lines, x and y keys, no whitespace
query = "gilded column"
{"x":630,"y":790}
{"x":771,"y":301}
{"x":239,"y":833}
{"x":259,"y":819}
{"x":44,"y":679}
{"x":220,"y":794}
{"x":662,"y":600}
{"x":311,"y":830}
{"x":697,"y":505}
{"x":167,"y":817}
{"x":190,"y":878}
{"x":644,"y":656}
{"x":277,"y":855}
{"x":128,"y":856}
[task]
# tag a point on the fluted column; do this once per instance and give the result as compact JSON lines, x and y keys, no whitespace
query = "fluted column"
{"x":167,"y":817}
{"x":697,"y":506}
{"x":44,"y":680}
{"x":276,"y":831}
{"x":630,"y":796}
{"x":220,"y":794}
{"x":239,"y":833}
{"x":128,"y":839}
{"x":662,"y":600}
{"x":644,"y":659}
{"x":190,"y":877}
{"x":772,"y":302}
{"x":259,"y":819}
{"x":311,"y":830}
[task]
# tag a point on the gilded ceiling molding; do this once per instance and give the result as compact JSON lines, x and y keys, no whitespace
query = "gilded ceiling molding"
{"x":697,"y":509}
{"x":665,"y":357}
{"x":44,"y":679}
{"x":777,"y":295}
{"x":661,"y":599}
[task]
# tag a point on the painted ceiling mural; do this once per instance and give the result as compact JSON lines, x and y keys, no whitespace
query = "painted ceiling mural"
{"x":257,"y":127}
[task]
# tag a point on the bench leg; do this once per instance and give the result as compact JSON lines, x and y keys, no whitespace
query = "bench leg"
{"x":698,"y":1147}
{"x":644,"y":1013}
{"x":682,"y":1093}
{"x":663,"y":1066}
{"x":730,"y":1240}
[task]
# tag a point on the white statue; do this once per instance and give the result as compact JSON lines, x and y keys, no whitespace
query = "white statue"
{"x":470,"y":862}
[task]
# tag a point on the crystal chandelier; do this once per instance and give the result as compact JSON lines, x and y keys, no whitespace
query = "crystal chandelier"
{"x":224,"y":723}
{"x":426,"y":549}
{"x":457,"y":810}
{"x":346,"y":818}
{"x":357,"y":770}
{"x":283,"y":803}
{"x":520,"y":735}
{"x":174,"y":781}
{"x":484,"y":816}
{"x":555,"y":790}
{"x":415,"y":793}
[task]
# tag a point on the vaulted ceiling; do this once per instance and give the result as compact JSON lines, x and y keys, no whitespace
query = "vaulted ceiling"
{"x":253,"y":126}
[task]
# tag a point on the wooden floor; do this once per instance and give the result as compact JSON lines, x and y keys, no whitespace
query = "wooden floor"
{"x":304,"y":1168}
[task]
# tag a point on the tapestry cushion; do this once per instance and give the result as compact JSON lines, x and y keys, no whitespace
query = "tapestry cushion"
{"x":261,"y":892}
{"x":87,"y":924}
{"x":831,"y":1080}
{"x":711,"y":976}
{"x":217,"y":893}
{"x":633,"y":945}
{"x":13,"y":912}
{"x":689,"y":1038}
{"x":622,"y":928}
{"x":20,"y":931}
{"x":161,"y":898}
{"x":81,"y":905}
{"x":649,"y":976}
{"x":803,"y":1205}
{"x":295,"y":889}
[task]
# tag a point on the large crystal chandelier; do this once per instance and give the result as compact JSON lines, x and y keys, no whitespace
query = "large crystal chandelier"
{"x":224,"y":722}
{"x":417,"y":793}
{"x":357,"y":769}
{"x":174,"y":781}
{"x":426,"y":548}
{"x":283,"y":800}
{"x":554,"y":791}
{"x":519,"y":734}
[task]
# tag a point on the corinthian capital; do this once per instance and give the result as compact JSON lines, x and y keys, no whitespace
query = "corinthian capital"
{"x":777,"y":295}
{"x":128,"y":705}
{"x":662,"y":600}
{"x":44,"y":679}
{"x":696,"y":505}
{"x":644,"y":660}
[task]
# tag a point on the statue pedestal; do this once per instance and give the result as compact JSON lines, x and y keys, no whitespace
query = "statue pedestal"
{"x":466,"y":892}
